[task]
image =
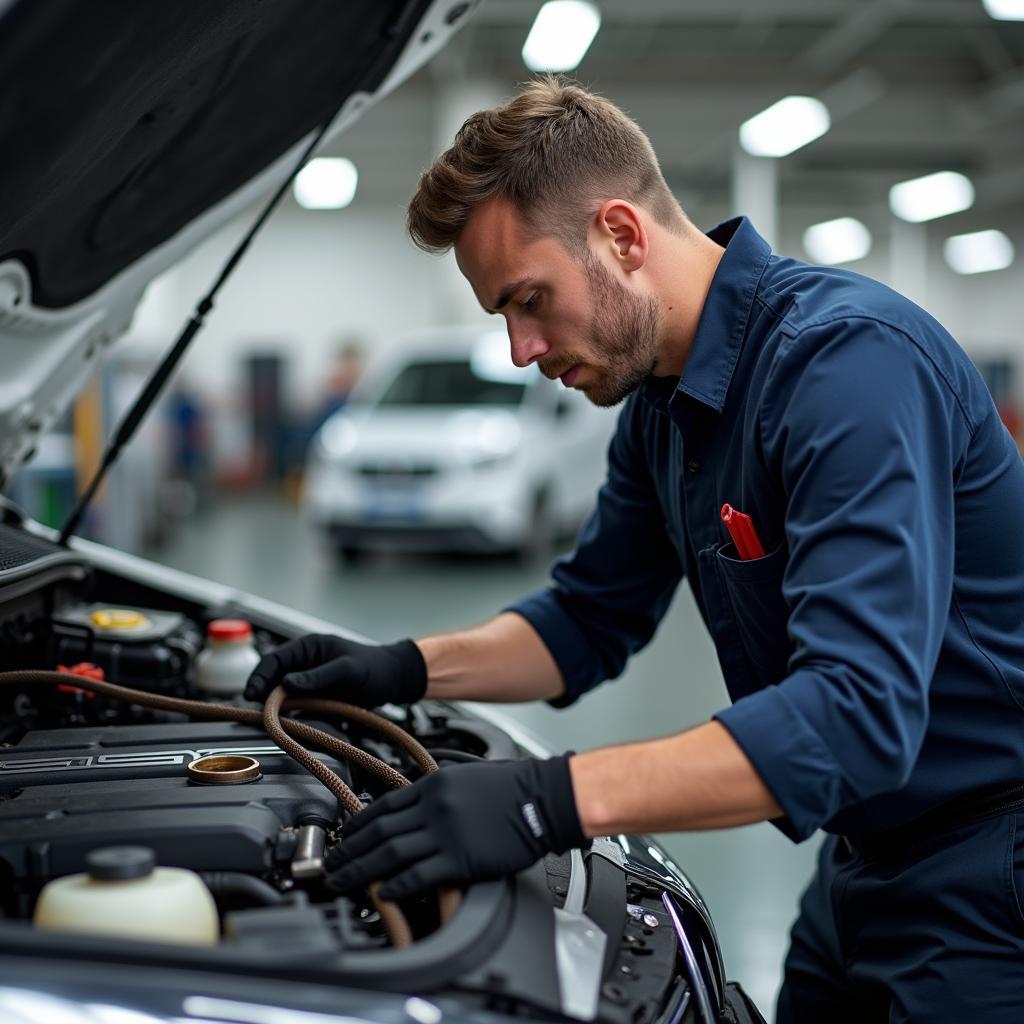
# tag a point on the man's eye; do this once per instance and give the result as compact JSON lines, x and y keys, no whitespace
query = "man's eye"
{"x":532,"y":301}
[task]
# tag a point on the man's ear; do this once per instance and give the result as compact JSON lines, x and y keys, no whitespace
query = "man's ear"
{"x":621,"y":224}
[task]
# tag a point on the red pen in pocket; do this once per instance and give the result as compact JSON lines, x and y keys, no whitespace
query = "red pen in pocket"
{"x":743,"y":534}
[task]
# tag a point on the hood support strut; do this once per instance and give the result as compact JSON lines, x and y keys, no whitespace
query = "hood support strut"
{"x":156,"y":383}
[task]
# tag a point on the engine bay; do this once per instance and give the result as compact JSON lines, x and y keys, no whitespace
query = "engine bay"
{"x":83,"y":772}
{"x":67,"y":791}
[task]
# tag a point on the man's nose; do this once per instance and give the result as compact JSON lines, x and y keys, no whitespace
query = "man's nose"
{"x":527,"y":345}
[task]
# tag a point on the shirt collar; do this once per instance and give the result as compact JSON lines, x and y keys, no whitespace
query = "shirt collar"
{"x":723,"y":320}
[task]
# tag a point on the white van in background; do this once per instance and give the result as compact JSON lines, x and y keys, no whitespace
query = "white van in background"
{"x":449,"y":446}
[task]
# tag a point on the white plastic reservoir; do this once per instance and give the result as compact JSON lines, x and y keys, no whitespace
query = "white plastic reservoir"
{"x":223,"y":666}
{"x":124,"y":894}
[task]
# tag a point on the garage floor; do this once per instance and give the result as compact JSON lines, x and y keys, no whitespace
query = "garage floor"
{"x":751,"y":877}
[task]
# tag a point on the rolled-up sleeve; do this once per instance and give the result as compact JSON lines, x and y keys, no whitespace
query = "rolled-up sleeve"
{"x":866,"y":436}
{"x":610,"y":593}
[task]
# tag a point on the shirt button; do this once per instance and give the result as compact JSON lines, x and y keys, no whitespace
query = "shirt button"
{"x":693,"y":465}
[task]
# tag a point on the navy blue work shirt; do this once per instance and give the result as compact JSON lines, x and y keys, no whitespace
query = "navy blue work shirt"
{"x":875,"y":654}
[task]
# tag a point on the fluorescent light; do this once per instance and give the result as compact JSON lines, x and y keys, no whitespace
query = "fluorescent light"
{"x":561,"y":34}
{"x":837,"y":241}
{"x":326,"y":183}
{"x":934,"y":195}
{"x":785,"y":126}
{"x":1005,"y":10}
{"x":978,"y":252}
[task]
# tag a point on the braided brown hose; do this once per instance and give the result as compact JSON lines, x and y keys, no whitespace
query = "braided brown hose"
{"x":399,"y":934}
{"x":274,"y":727}
{"x":394,"y":920}
{"x":218,"y":712}
{"x":449,"y":897}
{"x":378,"y":723}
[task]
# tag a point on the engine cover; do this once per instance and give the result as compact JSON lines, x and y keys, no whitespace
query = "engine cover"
{"x":66,"y":792}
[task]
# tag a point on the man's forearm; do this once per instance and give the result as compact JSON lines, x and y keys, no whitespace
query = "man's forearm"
{"x":501,"y":660}
{"x":698,"y":779}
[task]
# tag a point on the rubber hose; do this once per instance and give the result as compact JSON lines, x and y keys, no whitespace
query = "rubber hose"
{"x":242,"y":884}
{"x":463,"y":756}
{"x":317,"y":738}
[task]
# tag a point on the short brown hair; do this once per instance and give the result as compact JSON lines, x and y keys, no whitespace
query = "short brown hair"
{"x":556,"y":151}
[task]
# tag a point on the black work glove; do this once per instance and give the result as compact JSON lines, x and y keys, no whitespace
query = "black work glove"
{"x":464,"y":823}
{"x":328,"y":666}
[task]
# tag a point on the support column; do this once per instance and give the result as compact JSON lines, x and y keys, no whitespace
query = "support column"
{"x":908,"y":259}
{"x":755,"y":192}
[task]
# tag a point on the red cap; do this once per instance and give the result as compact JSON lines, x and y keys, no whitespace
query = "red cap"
{"x":229,"y":629}
{"x":87,"y":670}
{"x":83,"y":668}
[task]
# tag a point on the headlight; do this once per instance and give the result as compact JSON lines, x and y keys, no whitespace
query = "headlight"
{"x":337,"y":437}
{"x":486,"y":438}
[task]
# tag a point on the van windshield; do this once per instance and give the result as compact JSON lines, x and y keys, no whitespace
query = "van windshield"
{"x":449,"y":382}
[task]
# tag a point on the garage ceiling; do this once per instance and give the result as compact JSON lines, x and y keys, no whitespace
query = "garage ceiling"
{"x":912,"y":85}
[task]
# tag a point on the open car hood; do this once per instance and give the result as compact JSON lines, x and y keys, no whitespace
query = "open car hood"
{"x":134,"y":131}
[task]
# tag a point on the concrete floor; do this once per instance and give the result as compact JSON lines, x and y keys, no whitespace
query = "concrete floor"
{"x":750,"y":877}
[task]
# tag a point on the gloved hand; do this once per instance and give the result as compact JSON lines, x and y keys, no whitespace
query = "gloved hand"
{"x":464,"y":823}
{"x":322,"y":665}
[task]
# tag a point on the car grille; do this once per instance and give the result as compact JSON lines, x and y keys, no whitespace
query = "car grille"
{"x":396,"y":474}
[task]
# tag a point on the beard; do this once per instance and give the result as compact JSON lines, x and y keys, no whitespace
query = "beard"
{"x":622,"y":335}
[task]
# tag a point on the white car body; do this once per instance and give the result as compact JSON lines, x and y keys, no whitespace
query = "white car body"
{"x":520,"y":464}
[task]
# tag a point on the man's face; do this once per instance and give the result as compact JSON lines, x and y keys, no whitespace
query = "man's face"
{"x":574,"y":319}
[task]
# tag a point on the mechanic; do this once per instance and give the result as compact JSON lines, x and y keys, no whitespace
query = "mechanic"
{"x":874,"y":656}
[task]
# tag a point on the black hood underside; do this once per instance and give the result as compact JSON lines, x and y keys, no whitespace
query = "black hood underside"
{"x":124,"y":121}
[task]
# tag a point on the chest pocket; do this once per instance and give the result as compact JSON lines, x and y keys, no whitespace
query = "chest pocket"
{"x":754,"y":591}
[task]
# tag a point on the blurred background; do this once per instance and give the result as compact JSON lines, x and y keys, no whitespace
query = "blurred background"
{"x":316,"y":448}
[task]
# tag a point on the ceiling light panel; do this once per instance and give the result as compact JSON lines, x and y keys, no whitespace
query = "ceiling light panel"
{"x":561,"y":35}
{"x":326,"y":183}
{"x":978,"y":252}
{"x":934,"y":195}
{"x":1005,"y":10}
{"x":785,"y":126}
{"x":837,"y":241}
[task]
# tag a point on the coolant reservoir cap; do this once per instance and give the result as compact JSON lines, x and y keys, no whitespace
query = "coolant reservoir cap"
{"x":120,"y":863}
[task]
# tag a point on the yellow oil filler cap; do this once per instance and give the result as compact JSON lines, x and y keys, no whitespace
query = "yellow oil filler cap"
{"x":118,"y":618}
